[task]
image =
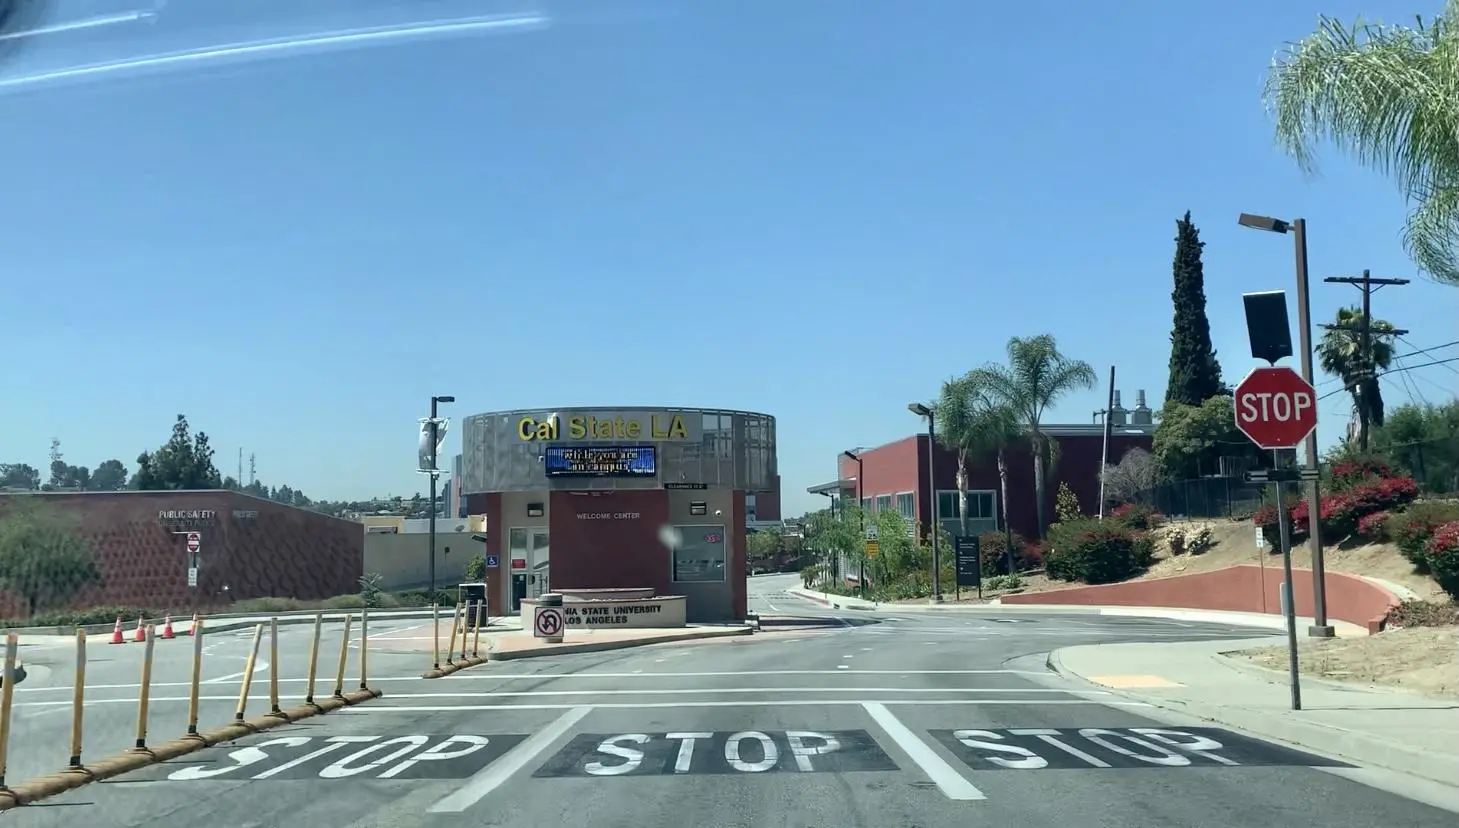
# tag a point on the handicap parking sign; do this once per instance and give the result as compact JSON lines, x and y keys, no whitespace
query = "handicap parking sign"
{"x":493,"y":560}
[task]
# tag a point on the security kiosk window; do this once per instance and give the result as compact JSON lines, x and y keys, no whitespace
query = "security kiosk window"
{"x":699,"y":555}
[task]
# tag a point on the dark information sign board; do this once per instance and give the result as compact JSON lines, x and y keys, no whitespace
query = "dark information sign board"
{"x":969,"y":561}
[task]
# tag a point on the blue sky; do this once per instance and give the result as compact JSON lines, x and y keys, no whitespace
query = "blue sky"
{"x":818,"y":209}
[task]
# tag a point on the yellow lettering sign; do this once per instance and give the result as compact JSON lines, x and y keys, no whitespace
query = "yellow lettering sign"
{"x":592,"y":427}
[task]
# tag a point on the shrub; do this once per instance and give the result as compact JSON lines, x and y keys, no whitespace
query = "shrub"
{"x":370,"y":588}
{"x":1342,"y":511}
{"x":1372,"y":527}
{"x":85,"y":617}
{"x":1412,"y":528}
{"x":1138,"y":516}
{"x":1424,"y":614}
{"x":1350,"y":473}
{"x":1442,"y":551}
{"x":347,"y":602}
{"x":1066,"y":505}
{"x":1003,"y":583}
{"x":267,"y":605}
{"x":1096,"y":552}
{"x":992,"y":548}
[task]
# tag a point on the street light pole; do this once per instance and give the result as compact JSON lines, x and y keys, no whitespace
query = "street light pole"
{"x":923,"y":411}
{"x":860,"y":515}
{"x":435,"y":474}
{"x":1298,"y":228}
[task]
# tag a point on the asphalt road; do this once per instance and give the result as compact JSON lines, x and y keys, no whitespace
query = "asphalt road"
{"x":40,"y":740}
{"x":912,"y":720}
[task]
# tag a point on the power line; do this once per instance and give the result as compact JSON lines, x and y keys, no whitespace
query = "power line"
{"x":1399,"y":370}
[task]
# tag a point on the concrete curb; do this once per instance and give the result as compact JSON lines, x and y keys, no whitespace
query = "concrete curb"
{"x":453,"y":667}
{"x":35,"y":790}
{"x":1340,"y":743}
{"x":568,"y":648}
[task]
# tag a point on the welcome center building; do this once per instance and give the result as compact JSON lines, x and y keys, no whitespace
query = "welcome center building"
{"x":620,"y":498}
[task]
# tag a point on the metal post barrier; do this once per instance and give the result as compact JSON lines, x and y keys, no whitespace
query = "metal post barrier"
{"x":314,"y":658}
{"x":7,"y":700}
{"x":465,"y":628}
{"x":248,"y":674}
{"x":197,"y":678}
{"x":344,"y":656}
{"x":364,"y":648}
{"x":476,"y":634}
{"x":144,"y":697}
{"x":435,"y":637}
{"x":455,"y":625}
{"x":273,"y":667}
{"x":78,"y":698}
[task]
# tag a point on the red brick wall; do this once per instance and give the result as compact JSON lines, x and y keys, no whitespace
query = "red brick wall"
{"x":283,"y":552}
{"x":610,"y":554}
{"x":1243,"y":588}
{"x":737,"y":567}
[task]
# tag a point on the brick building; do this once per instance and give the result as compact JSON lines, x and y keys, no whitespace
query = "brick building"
{"x":895,"y":475}
{"x":249,"y":548}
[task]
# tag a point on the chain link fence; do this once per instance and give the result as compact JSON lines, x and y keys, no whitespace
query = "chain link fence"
{"x":1206,"y":498}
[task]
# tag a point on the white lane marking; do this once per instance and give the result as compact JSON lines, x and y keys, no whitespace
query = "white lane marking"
{"x":492,"y":776}
{"x":488,"y":675}
{"x":448,"y":708}
{"x":844,"y":667}
{"x":952,"y":783}
{"x":258,"y":668}
{"x":1079,"y":696}
{"x":716,"y":691}
{"x":848,"y":655}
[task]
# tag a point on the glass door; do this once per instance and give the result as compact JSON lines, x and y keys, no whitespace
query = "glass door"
{"x":538,"y":560}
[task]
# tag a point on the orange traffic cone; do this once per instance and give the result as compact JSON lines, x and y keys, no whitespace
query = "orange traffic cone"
{"x":140,"y":635}
{"x":193,"y":630}
{"x":116,"y":632}
{"x":167,"y":628}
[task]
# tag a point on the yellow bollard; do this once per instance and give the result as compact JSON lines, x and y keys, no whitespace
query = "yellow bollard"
{"x":364,"y":647}
{"x":144,"y":697}
{"x":455,"y":624}
{"x":465,"y":627}
{"x":78,"y":698}
{"x":248,"y":674}
{"x":435,"y":636}
{"x":476,"y":635}
{"x":314,"y":658}
{"x":273,"y":667}
{"x":344,"y":656}
{"x":197,"y":678}
{"x":7,"y":700}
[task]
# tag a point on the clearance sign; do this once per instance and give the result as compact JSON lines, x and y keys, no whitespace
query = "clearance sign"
{"x":553,"y":428}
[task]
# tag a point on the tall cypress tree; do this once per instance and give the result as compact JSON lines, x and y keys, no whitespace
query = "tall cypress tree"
{"x":1195,"y":375}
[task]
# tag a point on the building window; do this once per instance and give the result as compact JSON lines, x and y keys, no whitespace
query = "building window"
{"x":883,"y":502}
{"x":907,"y":506}
{"x":980,"y":505}
{"x":866,"y":505}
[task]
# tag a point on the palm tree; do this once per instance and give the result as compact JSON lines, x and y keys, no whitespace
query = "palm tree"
{"x":1036,"y":376}
{"x":971,"y":423}
{"x":1341,"y":354}
{"x":1385,"y":94}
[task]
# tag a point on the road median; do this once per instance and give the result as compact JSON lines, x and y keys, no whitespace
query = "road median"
{"x":35,"y":745}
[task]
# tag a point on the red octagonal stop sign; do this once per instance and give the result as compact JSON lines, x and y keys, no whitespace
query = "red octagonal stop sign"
{"x":1276,"y":408}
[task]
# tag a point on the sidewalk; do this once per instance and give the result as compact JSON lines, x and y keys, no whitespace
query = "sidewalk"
{"x":1384,"y":728}
{"x":1258,"y":620}
{"x":522,"y":644}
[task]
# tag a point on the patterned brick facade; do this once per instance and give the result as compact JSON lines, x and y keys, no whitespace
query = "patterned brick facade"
{"x":251,"y":546}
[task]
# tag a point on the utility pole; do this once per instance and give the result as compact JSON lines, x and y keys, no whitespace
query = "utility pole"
{"x":1366,"y":283}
